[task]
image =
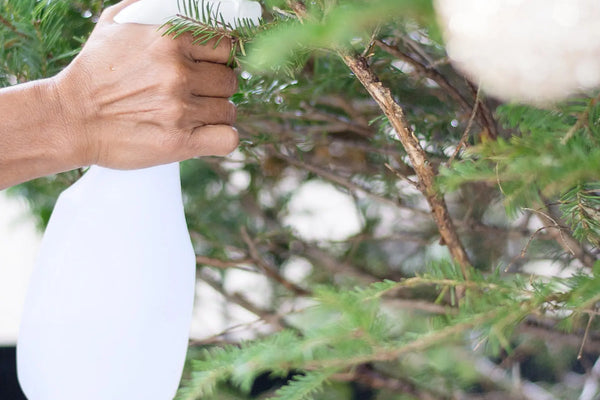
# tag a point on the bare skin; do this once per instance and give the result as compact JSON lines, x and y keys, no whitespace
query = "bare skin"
{"x":131,"y":99}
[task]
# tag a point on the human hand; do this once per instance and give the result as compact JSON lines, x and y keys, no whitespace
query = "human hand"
{"x":133,"y":99}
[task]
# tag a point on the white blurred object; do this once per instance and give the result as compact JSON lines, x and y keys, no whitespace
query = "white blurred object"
{"x":536,"y":51}
{"x":109,"y":304}
{"x":158,"y":12}
{"x":19,"y":244}
{"x":319,"y":211}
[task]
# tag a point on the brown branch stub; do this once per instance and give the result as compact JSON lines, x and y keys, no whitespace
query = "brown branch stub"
{"x":423,"y":168}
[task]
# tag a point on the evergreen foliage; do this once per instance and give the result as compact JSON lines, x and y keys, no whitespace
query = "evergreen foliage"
{"x":385,"y":313}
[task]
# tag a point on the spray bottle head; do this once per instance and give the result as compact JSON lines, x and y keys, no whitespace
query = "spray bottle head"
{"x":157,"y":12}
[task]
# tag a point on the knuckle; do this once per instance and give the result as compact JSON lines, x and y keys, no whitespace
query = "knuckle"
{"x":175,"y":77}
{"x":175,"y":113}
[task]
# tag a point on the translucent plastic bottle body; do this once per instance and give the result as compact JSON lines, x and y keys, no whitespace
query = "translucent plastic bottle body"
{"x":109,"y":304}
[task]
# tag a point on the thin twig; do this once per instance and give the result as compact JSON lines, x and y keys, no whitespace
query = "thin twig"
{"x":344,"y":104}
{"x":401,"y":176}
{"x":556,"y":225}
{"x":369,"y":48}
{"x":330,"y":176}
{"x":465,"y":136}
{"x":564,"y":237}
{"x":585,"y":336}
{"x":225,"y":264}
{"x":217,"y":337}
{"x":268,"y":316}
{"x":433,"y":74}
{"x":526,"y":248}
{"x":267,"y":269}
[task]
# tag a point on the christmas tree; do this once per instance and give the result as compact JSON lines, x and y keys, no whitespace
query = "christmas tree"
{"x":471,"y":270}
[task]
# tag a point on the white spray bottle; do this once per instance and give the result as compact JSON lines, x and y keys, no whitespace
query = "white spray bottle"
{"x":109,"y":304}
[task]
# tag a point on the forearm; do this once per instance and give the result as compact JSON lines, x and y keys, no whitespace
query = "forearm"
{"x":131,"y":99}
{"x":33,"y":135}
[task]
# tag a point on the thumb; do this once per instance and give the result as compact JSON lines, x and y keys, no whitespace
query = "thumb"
{"x":111,"y":12}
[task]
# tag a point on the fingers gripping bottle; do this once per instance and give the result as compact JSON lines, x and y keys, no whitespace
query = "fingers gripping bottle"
{"x":109,"y":304}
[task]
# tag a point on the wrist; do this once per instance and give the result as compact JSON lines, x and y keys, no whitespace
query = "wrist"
{"x":71,"y":116}
{"x":37,"y":139}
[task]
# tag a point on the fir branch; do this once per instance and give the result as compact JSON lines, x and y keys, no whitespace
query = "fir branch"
{"x":392,"y":352}
{"x":419,"y":159}
{"x":580,"y":207}
{"x":203,"y":381}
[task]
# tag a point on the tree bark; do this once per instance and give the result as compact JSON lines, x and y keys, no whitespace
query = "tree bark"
{"x":422,"y":166}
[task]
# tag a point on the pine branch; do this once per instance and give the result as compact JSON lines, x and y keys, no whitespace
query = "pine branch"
{"x":419,"y":160}
{"x":389,"y":353}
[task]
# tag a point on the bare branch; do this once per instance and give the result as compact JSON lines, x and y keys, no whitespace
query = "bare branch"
{"x":266,"y":315}
{"x":419,"y":160}
{"x":269,"y":270}
{"x":431,"y":73}
{"x":224,"y":264}
{"x":330,"y":176}
{"x":563,"y":236}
